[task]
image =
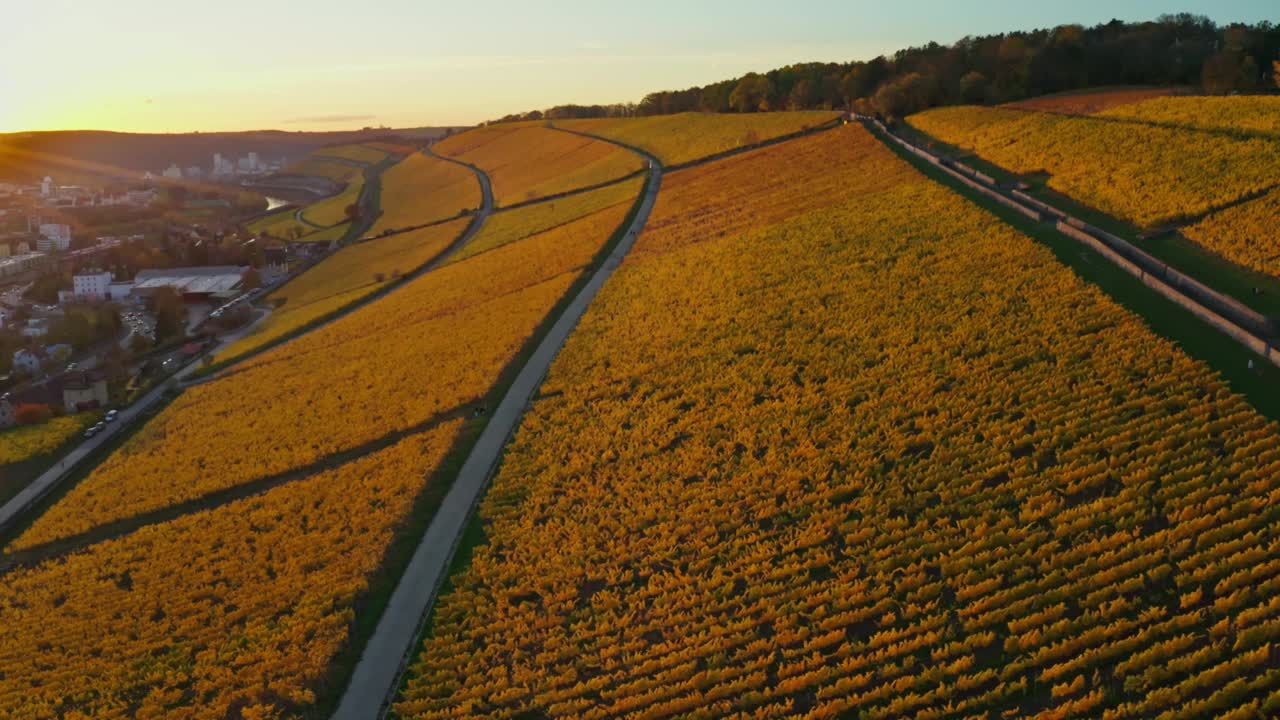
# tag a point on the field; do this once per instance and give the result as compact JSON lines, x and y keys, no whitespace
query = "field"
{"x":421,"y":189}
{"x":351,"y":273}
{"x":315,"y":166}
{"x":1093,"y":102}
{"x":686,"y":137}
{"x":430,"y":348}
{"x":27,"y":441}
{"x":876,"y":455}
{"x":283,"y":225}
{"x":1144,"y":174}
{"x":526,"y":162}
{"x":235,"y":611}
{"x":330,"y":234}
{"x":1245,"y":234}
{"x":363,"y":154}
{"x":241,"y":605}
{"x":510,"y":225}
{"x":333,"y":210}
{"x":1252,"y":114}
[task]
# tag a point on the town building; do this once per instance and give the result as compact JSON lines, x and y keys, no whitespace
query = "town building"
{"x":84,"y":391}
{"x":46,"y":186}
{"x":196,"y":284}
{"x":36,"y":327}
{"x":8,"y":416}
{"x":22,"y":262}
{"x":92,"y":285}
{"x":54,"y":236}
{"x":27,"y":361}
{"x":173,"y":172}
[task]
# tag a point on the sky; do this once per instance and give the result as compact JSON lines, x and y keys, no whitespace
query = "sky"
{"x":179,"y":65}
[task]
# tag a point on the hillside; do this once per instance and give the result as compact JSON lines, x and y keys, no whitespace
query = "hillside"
{"x":26,"y":157}
{"x":878,"y":456}
{"x":796,"y":414}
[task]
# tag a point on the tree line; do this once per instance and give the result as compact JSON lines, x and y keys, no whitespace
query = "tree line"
{"x":1182,"y":49}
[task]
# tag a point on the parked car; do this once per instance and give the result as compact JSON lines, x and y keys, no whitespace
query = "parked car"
{"x":91,"y":431}
{"x":110,"y":416}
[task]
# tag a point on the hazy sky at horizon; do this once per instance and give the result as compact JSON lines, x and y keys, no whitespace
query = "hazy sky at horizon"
{"x":165,"y":66}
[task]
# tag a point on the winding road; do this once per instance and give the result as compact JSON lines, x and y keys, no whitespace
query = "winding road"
{"x":377,"y":675}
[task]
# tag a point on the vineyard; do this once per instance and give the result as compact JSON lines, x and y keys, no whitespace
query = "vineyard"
{"x":1245,"y":234}
{"x":283,"y":225}
{"x":869,"y":453}
{"x":352,"y":273}
{"x":527,"y":162}
{"x":235,"y":611}
{"x":1259,"y":114}
{"x":240,"y":606}
{"x":433,"y":346}
{"x":511,"y":225}
{"x":316,"y":166}
{"x":1144,"y":174}
{"x":25,"y":442}
{"x":333,"y":210}
{"x":363,"y":154}
{"x":1093,"y":102}
{"x":422,"y":189}
{"x":686,"y":137}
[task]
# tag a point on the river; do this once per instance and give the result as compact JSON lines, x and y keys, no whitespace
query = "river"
{"x":273,"y":203}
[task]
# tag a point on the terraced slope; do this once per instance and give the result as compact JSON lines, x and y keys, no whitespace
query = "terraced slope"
{"x":434,"y":345}
{"x":1258,"y":114}
{"x":1094,"y":102}
{"x":869,"y":453}
{"x":1147,"y":175}
{"x":362,"y":154}
{"x":508,"y":226}
{"x":235,"y":611}
{"x":526,"y":162}
{"x":354,"y":272}
{"x":422,"y":189}
{"x":686,"y":137}
{"x":269,"y":500}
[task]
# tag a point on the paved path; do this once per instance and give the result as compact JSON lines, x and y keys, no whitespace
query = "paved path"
{"x":17,"y":507}
{"x":302,"y":219}
{"x":377,"y":675}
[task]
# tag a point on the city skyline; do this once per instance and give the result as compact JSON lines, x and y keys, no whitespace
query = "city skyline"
{"x":246,"y":66}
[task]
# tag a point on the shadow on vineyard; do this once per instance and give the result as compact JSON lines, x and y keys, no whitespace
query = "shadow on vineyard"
{"x":1246,"y":374}
{"x":118,"y":528}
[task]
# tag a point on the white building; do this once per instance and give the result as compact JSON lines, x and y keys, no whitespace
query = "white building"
{"x":46,"y":186}
{"x":140,"y":197}
{"x":222,"y":165}
{"x":92,"y":285}
{"x":173,"y":172}
{"x":36,"y":327}
{"x":195,"y":172}
{"x":253,"y":162}
{"x":26,"y":361}
{"x":54,"y":236}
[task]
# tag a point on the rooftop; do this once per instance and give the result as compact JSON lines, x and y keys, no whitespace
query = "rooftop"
{"x":211,"y":279}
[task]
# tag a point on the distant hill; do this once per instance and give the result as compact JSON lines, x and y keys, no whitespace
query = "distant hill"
{"x":70,"y":155}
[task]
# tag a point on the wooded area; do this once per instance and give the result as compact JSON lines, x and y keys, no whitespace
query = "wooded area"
{"x":1182,"y":49}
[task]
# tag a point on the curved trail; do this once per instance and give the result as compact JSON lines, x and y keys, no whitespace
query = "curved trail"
{"x":386,"y":655}
{"x":297,"y":215}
